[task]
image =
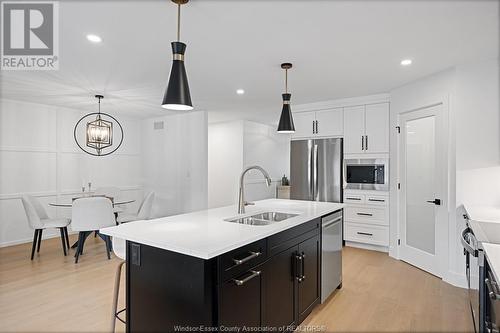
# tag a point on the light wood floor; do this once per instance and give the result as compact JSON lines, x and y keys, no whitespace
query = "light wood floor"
{"x":379,"y":294}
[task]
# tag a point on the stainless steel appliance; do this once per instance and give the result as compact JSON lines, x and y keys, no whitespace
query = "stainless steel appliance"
{"x":316,"y":170}
{"x":316,"y":174}
{"x":331,"y":254}
{"x":367,"y":174}
{"x":474,"y":267}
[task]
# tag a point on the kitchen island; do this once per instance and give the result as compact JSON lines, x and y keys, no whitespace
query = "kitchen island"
{"x":199,"y":272}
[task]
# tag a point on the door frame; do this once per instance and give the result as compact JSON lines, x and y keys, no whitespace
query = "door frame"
{"x":442,"y":246}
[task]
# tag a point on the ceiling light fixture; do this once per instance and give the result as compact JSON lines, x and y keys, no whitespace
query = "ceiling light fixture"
{"x":98,"y":132}
{"x":286,"y":120}
{"x":406,"y":62}
{"x":177,"y":96}
{"x":94,"y":38}
{"x":240,"y":91}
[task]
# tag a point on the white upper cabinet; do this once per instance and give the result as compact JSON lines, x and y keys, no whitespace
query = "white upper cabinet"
{"x":366,"y":129}
{"x":330,"y":122}
{"x":304,"y":122}
{"x":354,"y":128}
{"x":324,"y":123}
{"x":377,"y":128}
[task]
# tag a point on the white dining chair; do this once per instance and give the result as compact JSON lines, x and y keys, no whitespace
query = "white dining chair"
{"x":120,"y":251}
{"x":39,"y":221}
{"x":143,"y":213}
{"x":91,"y":214}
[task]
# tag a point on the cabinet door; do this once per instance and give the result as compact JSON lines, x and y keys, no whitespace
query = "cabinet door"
{"x":354,"y":129}
{"x":279,"y":298}
{"x":303,"y":122}
{"x":377,"y":128}
{"x":330,"y":122}
{"x":309,"y":287}
{"x":241,"y":299}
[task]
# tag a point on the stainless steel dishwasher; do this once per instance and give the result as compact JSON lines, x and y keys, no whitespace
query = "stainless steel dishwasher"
{"x":331,"y":254}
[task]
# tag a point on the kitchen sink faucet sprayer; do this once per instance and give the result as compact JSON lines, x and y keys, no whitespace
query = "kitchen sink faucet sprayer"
{"x":241,"y":200}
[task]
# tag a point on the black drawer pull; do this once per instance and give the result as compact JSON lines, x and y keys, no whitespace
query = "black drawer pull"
{"x":377,"y":200}
{"x":364,"y":233}
{"x":248,"y":278}
{"x":244,"y":260}
{"x":358,"y":199}
{"x":492,"y":291}
{"x":364,"y":214}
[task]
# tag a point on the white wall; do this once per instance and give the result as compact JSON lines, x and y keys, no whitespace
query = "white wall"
{"x":175,"y":162}
{"x":38,"y":156}
{"x":237,"y":144}
{"x":471,"y":91}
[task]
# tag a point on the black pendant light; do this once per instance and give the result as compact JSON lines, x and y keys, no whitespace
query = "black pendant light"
{"x":286,"y":120}
{"x":177,"y":96}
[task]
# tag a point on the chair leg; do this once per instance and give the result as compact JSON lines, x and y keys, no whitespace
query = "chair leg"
{"x":80,"y":244}
{"x":67,"y":237}
{"x":107,"y":241}
{"x":116,"y":293}
{"x":63,"y":241}
{"x":35,"y":238}
{"x":39,"y":240}
{"x":84,"y":238}
{"x":95,"y":233}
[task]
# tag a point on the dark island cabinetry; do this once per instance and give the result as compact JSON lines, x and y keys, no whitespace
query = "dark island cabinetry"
{"x":273,"y":282}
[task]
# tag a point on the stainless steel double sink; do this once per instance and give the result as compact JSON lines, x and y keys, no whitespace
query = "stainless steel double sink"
{"x":265,"y":218}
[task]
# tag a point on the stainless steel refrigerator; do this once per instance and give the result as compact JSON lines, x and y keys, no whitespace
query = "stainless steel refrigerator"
{"x":316,"y":174}
{"x":316,"y":170}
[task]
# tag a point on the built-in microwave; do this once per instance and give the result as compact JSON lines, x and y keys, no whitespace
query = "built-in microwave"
{"x":366,"y":174}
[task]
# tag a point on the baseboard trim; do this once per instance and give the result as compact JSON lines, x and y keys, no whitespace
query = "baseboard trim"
{"x":367,"y":246}
{"x":455,"y":279}
{"x":29,"y":240}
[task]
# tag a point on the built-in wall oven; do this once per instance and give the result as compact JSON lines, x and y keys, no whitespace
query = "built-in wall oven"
{"x":366,"y":174}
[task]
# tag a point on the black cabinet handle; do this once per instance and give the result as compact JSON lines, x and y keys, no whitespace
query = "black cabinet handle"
{"x":491,"y":291}
{"x":362,"y":143}
{"x":303,"y":266}
{"x":364,"y":233}
{"x":364,"y":214}
{"x":377,"y":200}
{"x":248,"y":278}
{"x":359,"y":199}
{"x":300,"y":267}
{"x":244,"y":260}
{"x":366,"y":142}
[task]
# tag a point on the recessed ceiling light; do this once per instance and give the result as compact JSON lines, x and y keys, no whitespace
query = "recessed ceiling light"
{"x":406,"y":62}
{"x":94,"y":38}
{"x":240,"y":91}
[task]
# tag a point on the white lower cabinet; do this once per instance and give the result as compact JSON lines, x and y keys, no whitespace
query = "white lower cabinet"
{"x":366,"y":218}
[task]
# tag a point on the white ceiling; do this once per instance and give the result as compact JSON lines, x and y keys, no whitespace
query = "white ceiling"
{"x":338,"y":48}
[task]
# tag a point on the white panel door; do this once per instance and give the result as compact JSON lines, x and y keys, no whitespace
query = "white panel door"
{"x":354,"y":129}
{"x":422,"y":160}
{"x":377,"y":128}
{"x":330,"y":122}
{"x":303,"y":122}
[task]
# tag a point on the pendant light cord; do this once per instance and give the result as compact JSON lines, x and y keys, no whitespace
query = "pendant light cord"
{"x":179,"y":22}
{"x":286,"y":81}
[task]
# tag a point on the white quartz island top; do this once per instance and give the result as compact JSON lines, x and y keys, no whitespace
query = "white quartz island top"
{"x":205,"y":234}
{"x":492,"y":252}
{"x":485,"y":222}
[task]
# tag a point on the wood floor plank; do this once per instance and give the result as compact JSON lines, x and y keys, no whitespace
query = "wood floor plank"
{"x":379,"y":294}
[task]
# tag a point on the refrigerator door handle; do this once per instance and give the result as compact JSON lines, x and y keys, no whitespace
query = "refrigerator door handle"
{"x":315,"y":172}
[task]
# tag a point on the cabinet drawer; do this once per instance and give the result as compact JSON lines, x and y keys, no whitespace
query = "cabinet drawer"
{"x":293,"y":236}
{"x":377,"y":200}
{"x":240,"y":260}
{"x":366,"y":215}
{"x":354,"y":198}
{"x":366,"y":233}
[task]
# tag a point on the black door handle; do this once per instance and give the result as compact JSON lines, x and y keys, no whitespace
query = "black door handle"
{"x":437,"y":202}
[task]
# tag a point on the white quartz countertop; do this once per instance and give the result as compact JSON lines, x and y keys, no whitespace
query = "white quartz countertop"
{"x":492,"y":252}
{"x":205,"y":234}
{"x":485,"y":222}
